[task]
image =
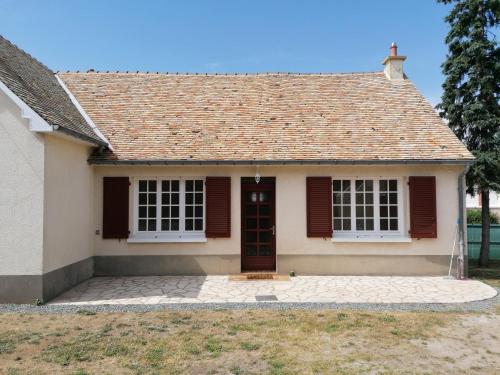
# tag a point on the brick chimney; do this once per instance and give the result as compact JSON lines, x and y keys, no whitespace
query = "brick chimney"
{"x":393,"y":64}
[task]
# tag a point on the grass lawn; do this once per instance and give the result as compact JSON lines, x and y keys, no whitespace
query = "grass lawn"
{"x":251,"y":342}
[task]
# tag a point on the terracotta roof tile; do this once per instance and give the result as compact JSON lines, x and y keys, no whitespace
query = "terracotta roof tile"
{"x":37,"y":86}
{"x":362,"y":116}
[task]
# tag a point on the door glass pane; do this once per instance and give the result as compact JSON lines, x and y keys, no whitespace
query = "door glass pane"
{"x":251,"y":196}
{"x":265,"y":250}
{"x":251,"y":236}
{"x":265,"y":209}
{"x":250,"y":250}
{"x":251,"y":223}
{"x":264,"y":196}
{"x":265,"y":236}
{"x":264,"y":223}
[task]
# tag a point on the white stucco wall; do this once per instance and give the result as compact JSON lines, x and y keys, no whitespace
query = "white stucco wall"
{"x":291,"y":235}
{"x":21,"y":193}
{"x":68,"y":208}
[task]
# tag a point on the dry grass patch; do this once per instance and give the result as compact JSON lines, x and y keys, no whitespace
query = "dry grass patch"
{"x":224,"y":342}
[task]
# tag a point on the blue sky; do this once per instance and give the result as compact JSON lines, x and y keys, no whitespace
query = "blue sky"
{"x":231,"y":36}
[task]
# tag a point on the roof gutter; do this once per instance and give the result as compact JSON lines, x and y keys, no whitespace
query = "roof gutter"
{"x":281,"y":162}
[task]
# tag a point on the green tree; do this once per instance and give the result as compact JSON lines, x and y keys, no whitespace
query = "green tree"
{"x":470,"y":100}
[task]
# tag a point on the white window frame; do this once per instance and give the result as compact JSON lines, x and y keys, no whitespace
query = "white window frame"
{"x":376,"y":233}
{"x":167,"y":236}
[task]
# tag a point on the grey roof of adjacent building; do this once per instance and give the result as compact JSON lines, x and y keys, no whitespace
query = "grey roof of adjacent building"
{"x":37,"y":86}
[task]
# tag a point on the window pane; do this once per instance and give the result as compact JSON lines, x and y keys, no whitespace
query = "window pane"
{"x":369,"y":198}
{"x":165,"y":224}
{"x":198,"y":185}
{"x":152,"y":185}
{"x":337,"y":184}
{"x":346,"y":211}
{"x":189,"y":185}
{"x":360,"y":224}
{"x":369,"y":224}
{"x":383,"y":198}
{"x":174,"y":198}
{"x":165,"y":211}
{"x":337,"y":198}
{"x":369,"y":185}
{"x":359,"y":185}
{"x":143,"y":185}
{"x":383,"y":185}
{"x":143,"y":198}
{"x":199,"y":198}
{"x":265,"y":223}
{"x":383,"y":211}
{"x":142,"y":211}
{"x":369,"y":211}
{"x":393,"y":198}
{"x":165,"y":198}
{"x":198,"y":224}
{"x":360,"y":199}
{"x":174,"y":185}
{"x":384,"y":224}
{"x":337,"y":211}
{"x":189,"y":198}
{"x":174,"y":211}
{"x":346,"y":224}
{"x":174,"y":224}
{"x":152,"y":211}
{"x":142,"y":225}
{"x":346,"y":185}
{"x":251,"y":210}
{"x":152,"y":198}
{"x":346,"y":198}
{"x":360,"y":211}
{"x":152,"y":225}
{"x":394,"y":211}
{"x":198,"y":211}
{"x":337,"y":224}
{"x":189,"y":211}
{"x":165,"y":185}
{"x":393,"y":185}
{"x":394,"y":224}
{"x":189,"y":224}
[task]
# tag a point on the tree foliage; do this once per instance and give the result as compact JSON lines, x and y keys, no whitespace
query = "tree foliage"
{"x":470,"y":101}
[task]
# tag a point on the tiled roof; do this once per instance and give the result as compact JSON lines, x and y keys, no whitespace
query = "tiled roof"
{"x":270,"y":117}
{"x":37,"y":86}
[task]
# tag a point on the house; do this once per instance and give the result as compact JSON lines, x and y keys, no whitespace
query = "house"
{"x":474,"y":202}
{"x":165,"y":174}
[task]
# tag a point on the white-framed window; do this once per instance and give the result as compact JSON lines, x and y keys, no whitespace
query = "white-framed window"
{"x":169,"y":208}
{"x":367,"y":207}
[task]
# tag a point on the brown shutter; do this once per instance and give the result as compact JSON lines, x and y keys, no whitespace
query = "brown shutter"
{"x":115,"y":207}
{"x":218,"y":207}
{"x":319,"y":206}
{"x":423,"y":219}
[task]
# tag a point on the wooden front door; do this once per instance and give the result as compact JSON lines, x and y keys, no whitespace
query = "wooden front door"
{"x":258,"y":230}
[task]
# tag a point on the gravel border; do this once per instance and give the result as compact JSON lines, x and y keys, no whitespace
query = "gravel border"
{"x":476,"y":306}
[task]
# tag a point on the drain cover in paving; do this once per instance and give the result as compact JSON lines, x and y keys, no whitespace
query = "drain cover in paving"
{"x":270,"y":297}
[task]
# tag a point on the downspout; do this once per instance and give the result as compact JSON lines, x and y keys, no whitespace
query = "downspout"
{"x":463,"y":251}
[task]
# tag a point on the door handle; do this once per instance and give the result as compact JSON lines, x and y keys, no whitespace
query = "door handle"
{"x":273,"y":230}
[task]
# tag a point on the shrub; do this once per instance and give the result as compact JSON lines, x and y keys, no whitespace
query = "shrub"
{"x":474,"y":217}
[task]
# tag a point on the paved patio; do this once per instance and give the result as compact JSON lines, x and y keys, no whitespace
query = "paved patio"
{"x":326,"y":289}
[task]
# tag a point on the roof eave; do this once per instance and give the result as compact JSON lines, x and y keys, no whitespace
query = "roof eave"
{"x":280,"y":162}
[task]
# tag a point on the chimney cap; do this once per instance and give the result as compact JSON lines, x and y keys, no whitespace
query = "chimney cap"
{"x":394,"y":49}
{"x":91,"y":70}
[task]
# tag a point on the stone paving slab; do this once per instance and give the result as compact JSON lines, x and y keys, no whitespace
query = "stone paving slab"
{"x":301,"y":289}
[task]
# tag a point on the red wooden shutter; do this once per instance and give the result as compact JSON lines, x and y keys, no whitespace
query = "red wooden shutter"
{"x":218,"y":207}
{"x":423,"y":219}
{"x":115,"y":207}
{"x":319,"y":206}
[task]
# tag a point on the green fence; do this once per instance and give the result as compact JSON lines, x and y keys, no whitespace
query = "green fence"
{"x":474,"y":239}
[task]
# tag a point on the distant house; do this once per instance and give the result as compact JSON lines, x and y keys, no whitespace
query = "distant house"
{"x":163,"y":174}
{"x":474,"y":202}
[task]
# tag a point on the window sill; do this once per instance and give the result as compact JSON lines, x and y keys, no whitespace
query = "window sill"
{"x":371,"y":239}
{"x":166,"y":239}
